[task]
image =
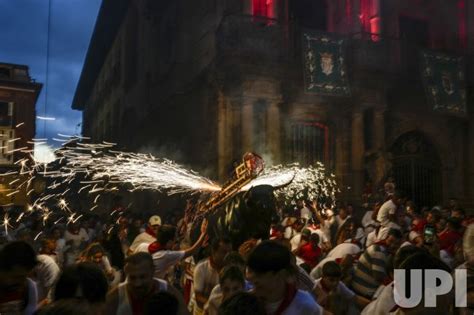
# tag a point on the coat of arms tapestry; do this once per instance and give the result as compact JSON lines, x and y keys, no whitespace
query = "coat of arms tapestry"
{"x":443,"y":78}
{"x":324,"y":64}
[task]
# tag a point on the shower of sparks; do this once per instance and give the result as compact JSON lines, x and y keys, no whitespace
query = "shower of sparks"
{"x":294,"y":182}
{"x":94,"y":169}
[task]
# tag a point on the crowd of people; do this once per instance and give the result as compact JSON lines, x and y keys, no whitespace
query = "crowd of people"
{"x":318,"y":259}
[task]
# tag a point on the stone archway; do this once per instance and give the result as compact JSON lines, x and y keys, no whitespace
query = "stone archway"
{"x":416,"y":168}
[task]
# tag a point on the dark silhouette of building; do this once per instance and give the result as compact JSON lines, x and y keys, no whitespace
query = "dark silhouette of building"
{"x":205,"y":81}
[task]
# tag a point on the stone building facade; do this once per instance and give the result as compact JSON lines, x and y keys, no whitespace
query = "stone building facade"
{"x":204,"y":81}
{"x":18,"y":96}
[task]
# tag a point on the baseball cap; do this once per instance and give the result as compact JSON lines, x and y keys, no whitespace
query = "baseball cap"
{"x":154,"y":220}
{"x":306,"y":232}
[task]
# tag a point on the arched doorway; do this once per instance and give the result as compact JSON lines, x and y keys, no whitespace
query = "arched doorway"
{"x":417,"y":168}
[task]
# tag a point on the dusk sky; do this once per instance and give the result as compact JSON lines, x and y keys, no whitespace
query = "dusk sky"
{"x":23,"y":38}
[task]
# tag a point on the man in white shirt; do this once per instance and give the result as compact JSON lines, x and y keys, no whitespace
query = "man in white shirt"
{"x":332,"y":293}
{"x":387,"y":215}
{"x":46,"y":272}
{"x":149,"y":236}
{"x":268,"y":269}
{"x":164,"y":258}
{"x":206,"y":273}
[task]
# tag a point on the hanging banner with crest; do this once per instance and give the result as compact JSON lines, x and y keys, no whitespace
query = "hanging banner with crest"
{"x":443,"y":78}
{"x":324,"y":64}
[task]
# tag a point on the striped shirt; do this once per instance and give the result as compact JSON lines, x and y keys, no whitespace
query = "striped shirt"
{"x":370,"y":267}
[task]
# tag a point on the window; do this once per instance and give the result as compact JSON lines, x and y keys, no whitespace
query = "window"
{"x":308,"y":143}
{"x":262,"y":8}
{"x":5,"y":114}
{"x":4,"y":73}
{"x":370,"y":18}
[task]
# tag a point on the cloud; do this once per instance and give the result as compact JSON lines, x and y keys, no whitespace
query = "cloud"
{"x":24,"y":41}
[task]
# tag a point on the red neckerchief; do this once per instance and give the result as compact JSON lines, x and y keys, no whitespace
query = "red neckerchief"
{"x":150,"y":231}
{"x":290,"y":293}
{"x":155,"y":247}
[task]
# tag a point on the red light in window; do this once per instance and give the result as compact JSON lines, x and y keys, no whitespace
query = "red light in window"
{"x":262,"y":8}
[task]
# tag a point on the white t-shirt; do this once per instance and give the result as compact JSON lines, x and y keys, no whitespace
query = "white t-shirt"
{"x":164,"y":260}
{"x":289,"y":232}
{"x":385,"y":210}
{"x":205,"y":279}
{"x":46,"y":274}
{"x":295,"y":241}
{"x":141,"y":238}
{"x":383,"y":304}
{"x":344,"y":249}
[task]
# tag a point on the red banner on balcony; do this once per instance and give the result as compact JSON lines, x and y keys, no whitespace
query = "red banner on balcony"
{"x":324,"y":64}
{"x":444,"y":80}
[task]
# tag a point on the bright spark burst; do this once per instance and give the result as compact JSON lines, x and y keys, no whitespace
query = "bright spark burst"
{"x":294,"y":182}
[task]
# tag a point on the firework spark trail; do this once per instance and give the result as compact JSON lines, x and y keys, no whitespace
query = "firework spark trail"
{"x":142,"y":171}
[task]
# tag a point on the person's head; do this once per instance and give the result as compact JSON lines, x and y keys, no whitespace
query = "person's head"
{"x":137,"y":223}
{"x":389,"y":188}
{"x":234,"y":259}
{"x":56,"y":233}
{"x":83,"y":280}
{"x":332,"y":274}
{"x":48,"y":246}
{"x":415,"y":238}
{"x":154,"y":223}
{"x":458,"y":213}
{"x":139,"y":270}
{"x":299,"y":224}
{"x":300,"y":203}
{"x":433,"y":216}
{"x":17,"y":260}
{"x":94,"y":253}
{"x":411,"y":208}
{"x":453,"y":202}
{"x":394,"y":240}
{"x":441,"y":224}
{"x":73,"y":227}
{"x":161,"y":303}
{"x":314,"y":239}
{"x":220,"y":247}
{"x":343,"y":213}
{"x":305,"y":234}
{"x":454,"y":224}
{"x":166,"y":236}
{"x":268,"y":268}
{"x":242,"y":303}
{"x":231,"y":280}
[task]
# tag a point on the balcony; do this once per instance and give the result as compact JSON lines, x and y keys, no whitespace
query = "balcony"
{"x":247,"y":36}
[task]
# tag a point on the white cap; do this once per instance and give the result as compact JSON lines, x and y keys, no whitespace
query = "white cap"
{"x":154,"y":220}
